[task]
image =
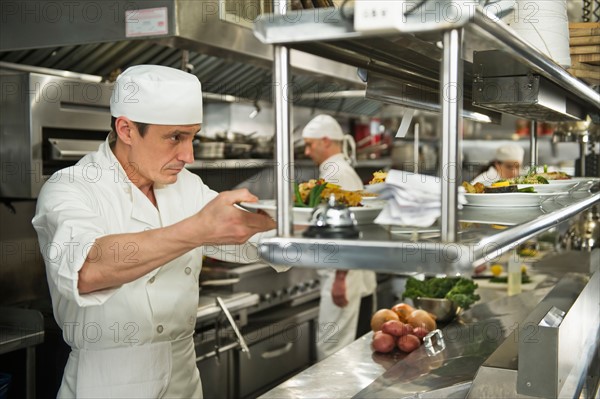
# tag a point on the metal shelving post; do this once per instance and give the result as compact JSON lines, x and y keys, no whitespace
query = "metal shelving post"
{"x":451,"y":86}
{"x":284,"y":149}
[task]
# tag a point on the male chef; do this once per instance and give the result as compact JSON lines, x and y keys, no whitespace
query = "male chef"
{"x":344,"y":294}
{"x":123,"y":233}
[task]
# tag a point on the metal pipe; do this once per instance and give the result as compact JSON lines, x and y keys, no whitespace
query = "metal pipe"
{"x":451,"y":98}
{"x":49,"y":71}
{"x":283,"y":143}
{"x":491,"y":247}
{"x":416,"y":148}
{"x":533,"y":144}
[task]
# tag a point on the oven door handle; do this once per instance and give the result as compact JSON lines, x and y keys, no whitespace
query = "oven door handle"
{"x":277,"y":352}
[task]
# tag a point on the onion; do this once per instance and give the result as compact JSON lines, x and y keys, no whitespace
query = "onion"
{"x":420,"y":318}
{"x":380,"y":317}
{"x":403,"y":310}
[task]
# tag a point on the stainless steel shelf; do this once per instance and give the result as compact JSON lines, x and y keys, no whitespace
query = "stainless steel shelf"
{"x":405,"y":66}
{"x":230,"y":163}
{"x":406,"y":251}
{"x":409,"y":53}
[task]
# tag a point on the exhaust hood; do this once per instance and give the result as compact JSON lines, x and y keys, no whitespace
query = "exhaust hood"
{"x":199,"y":26}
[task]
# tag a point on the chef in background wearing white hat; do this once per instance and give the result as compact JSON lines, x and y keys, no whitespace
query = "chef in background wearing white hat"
{"x":506,"y":165}
{"x":123,"y":233}
{"x":344,"y":294}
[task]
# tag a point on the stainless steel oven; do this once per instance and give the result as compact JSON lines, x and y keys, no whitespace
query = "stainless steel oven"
{"x":47,"y":123}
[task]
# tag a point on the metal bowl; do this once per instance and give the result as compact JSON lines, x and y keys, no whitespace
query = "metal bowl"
{"x":443,"y":309}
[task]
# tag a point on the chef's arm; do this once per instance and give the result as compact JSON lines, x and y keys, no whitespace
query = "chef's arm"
{"x":338,"y":290}
{"x":219,"y":222}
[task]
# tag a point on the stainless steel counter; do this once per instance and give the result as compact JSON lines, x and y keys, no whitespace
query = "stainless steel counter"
{"x":356,"y":371}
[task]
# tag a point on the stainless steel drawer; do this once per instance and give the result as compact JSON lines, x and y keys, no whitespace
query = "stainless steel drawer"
{"x":274,"y":358}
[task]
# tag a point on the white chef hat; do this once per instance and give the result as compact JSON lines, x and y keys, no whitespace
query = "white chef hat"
{"x":158,"y":95}
{"x":322,"y":126}
{"x":510,"y":152}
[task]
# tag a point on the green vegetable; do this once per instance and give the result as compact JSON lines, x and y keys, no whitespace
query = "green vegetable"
{"x":315,"y":195}
{"x":457,"y":289}
{"x":298,"y":200}
{"x":542,"y":179}
{"x":545,"y":168}
{"x":526,"y":190}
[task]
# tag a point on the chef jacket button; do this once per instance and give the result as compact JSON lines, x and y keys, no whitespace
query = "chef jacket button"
{"x":188,"y":270}
{"x":152,"y":279}
{"x":159,"y":329}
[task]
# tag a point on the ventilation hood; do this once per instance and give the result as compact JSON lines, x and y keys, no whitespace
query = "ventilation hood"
{"x":198,"y":26}
{"x":97,"y":38}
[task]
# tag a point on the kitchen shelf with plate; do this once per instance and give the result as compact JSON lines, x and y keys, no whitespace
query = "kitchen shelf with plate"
{"x":382,"y":249}
{"x":403,"y":63}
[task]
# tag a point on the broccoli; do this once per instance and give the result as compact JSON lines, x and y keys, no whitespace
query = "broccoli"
{"x":457,"y":289}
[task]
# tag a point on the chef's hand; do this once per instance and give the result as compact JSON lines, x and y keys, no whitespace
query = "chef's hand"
{"x":222,"y":223}
{"x":338,"y":290}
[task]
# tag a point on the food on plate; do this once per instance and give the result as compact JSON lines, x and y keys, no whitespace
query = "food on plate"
{"x":408,"y":343}
{"x":496,"y":270}
{"x":459,"y":290}
{"x":501,"y":186}
{"x":314,"y":191}
{"x":383,"y":342}
{"x":378,"y":177}
{"x":555,"y":176}
{"x":380,"y":317}
{"x":533,"y":177}
{"x":498,"y":278}
{"x":476,"y":188}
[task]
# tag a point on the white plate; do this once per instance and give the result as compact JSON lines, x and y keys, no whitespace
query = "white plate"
{"x":508,"y":200}
{"x":506,"y":217}
{"x":301,"y":216}
{"x":561,"y":186}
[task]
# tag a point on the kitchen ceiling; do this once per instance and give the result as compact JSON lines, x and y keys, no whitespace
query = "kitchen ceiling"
{"x":218,"y":75}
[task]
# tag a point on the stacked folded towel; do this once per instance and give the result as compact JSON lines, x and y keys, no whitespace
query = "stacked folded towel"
{"x":412,"y":199}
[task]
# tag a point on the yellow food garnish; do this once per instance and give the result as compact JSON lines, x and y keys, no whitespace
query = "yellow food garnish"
{"x":378,"y":177}
{"x":502,"y":183}
{"x":496,"y":270}
{"x":523,"y":269}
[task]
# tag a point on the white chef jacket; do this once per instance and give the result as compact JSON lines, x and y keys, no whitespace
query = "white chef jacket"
{"x":337,"y":326}
{"x":134,"y":340}
{"x":488,"y":177}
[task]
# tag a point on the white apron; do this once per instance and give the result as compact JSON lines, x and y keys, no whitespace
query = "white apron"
{"x":337,"y":326}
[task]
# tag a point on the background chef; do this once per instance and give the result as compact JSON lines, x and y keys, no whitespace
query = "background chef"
{"x":505,"y":165}
{"x":345,"y":295}
{"x":125,"y":229}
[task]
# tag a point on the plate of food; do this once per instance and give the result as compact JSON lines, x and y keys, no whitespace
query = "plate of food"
{"x":301,"y":215}
{"x":508,"y":200}
{"x":559,"y":186}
